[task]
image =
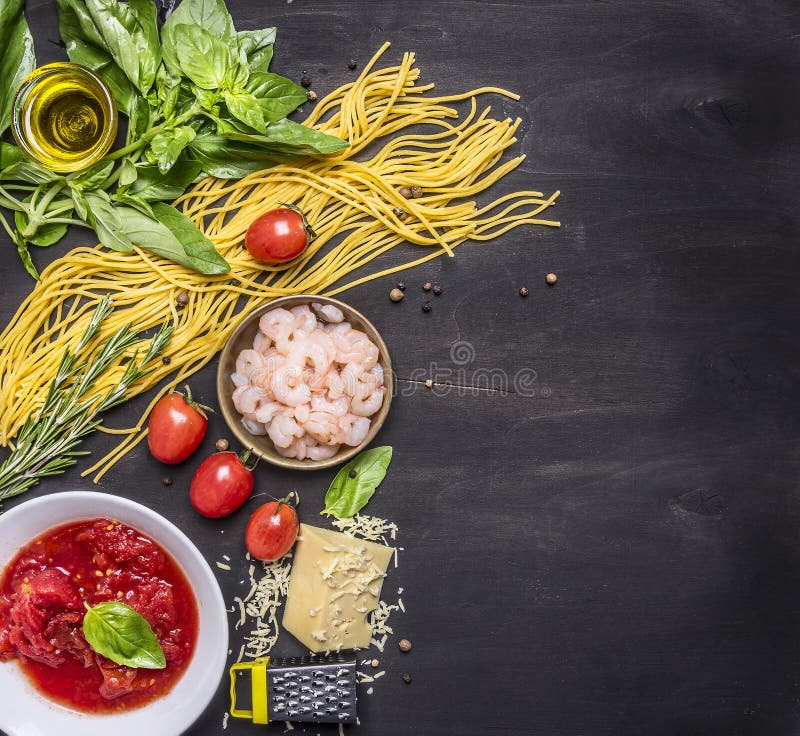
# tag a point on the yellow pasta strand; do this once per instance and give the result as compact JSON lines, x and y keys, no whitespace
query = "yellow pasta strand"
{"x":353,"y":200}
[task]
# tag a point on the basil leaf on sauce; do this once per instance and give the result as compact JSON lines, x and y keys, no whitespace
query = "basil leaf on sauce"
{"x":356,"y":482}
{"x":122,"y":635}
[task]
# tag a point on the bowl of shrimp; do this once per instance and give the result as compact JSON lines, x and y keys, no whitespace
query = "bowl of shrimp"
{"x":305,"y":382}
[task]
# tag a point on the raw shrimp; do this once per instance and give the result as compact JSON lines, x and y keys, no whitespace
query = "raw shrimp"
{"x":248,"y":398}
{"x":337,"y":408}
{"x":267,"y":410}
{"x":288,"y":386}
{"x":254,"y":427}
{"x":334,"y":384}
{"x":304,"y":320}
{"x":323,"y":427}
{"x":367,"y":406}
{"x":321,"y":452}
{"x":316,"y":349}
{"x":248,"y":361}
{"x":329,"y":312}
{"x":261,"y":343}
{"x":297,"y":449}
{"x":283,"y":429}
{"x":301,"y":412}
{"x":354,"y":429}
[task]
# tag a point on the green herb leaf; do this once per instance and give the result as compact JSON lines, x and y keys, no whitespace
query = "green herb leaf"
{"x":114,"y":630}
{"x":132,"y":200}
{"x":209,"y":14}
{"x":167,"y":145}
{"x":256,"y":46}
{"x":243,"y":106}
{"x":10,"y":155}
{"x":27,"y":171}
{"x":25,"y":256}
{"x":297,"y":139}
{"x":154,"y":186}
{"x":174,"y":236}
{"x":17,"y":57}
{"x":347,"y":496}
{"x":127,"y":173}
{"x":107,"y":222}
{"x":276,"y":95}
{"x":46,"y":234}
{"x":204,"y":58}
{"x":92,"y":177}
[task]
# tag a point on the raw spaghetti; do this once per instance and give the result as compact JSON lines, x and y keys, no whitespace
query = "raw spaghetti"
{"x":352,"y":200}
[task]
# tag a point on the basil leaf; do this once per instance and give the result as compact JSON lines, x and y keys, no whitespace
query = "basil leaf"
{"x":134,"y":201}
{"x":299,"y":139}
{"x":152,"y":185}
{"x":10,"y":155}
{"x":127,"y":173}
{"x":209,"y":14}
{"x":257,"y":48}
{"x":174,"y":236}
{"x":205,"y":59}
{"x":81,"y":205}
{"x":117,"y":632}
{"x":246,"y":108}
{"x":107,"y":222}
{"x":92,"y":178}
{"x":347,"y":496}
{"x":146,"y":38}
{"x":167,"y":145}
{"x":28,"y":171}
{"x":48,"y":233}
{"x":227,"y":159}
{"x":17,"y":57}
{"x":276,"y":95}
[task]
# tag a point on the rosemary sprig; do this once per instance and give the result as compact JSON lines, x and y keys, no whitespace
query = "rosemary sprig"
{"x":47,"y":443}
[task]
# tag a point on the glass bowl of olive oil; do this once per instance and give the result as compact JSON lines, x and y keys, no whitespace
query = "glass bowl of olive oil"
{"x":64,"y":117}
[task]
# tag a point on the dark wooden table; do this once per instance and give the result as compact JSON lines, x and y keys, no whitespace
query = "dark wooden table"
{"x":610,"y":543}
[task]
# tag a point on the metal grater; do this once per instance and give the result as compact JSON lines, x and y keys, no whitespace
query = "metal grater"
{"x":314,"y":688}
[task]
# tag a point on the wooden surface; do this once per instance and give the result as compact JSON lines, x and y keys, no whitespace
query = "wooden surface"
{"x":609,"y":545}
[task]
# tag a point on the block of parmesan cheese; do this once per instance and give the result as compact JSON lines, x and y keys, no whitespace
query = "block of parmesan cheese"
{"x":336,"y":581}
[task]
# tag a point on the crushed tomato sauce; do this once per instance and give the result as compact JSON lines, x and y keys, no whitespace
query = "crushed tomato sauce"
{"x":42,"y":592}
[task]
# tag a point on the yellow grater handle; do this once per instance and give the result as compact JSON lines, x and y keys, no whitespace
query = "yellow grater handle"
{"x":258,"y":684}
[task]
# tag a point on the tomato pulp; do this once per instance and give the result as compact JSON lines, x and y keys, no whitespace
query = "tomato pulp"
{"x":42,"y":595}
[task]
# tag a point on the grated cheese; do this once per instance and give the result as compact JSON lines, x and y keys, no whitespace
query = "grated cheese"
{"x":225,"y":721}
{"x":367,"y":527}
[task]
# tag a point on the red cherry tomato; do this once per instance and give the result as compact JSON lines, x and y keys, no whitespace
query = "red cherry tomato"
{"x":272,"y":530}
{"x":176,"y":427}
{"x":278,"y":236}
{"x":221,"y":485}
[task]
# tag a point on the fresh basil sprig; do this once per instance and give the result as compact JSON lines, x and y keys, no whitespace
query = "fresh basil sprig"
{"x":122,"y":635}
{"x":200,"y":100}
{"x":355,"y":484}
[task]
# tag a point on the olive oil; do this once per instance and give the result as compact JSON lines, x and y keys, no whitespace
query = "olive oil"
{"x":64,"y":117}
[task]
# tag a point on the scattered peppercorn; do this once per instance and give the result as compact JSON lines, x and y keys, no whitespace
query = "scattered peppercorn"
{"x":352,"y":64}
{"x":416,"y":192}
{"x":166,"y":360}
{"x":166,"y":480}
{"x":551,"y":278}
{"x":305,"y":80}
{"x":396,"y":295}
{"x":407,"y":678}
{"x":312,"y":96}
{"x":401,"y":285}
{"x":523,"y":291}
{"x":400,"y":213}
{"x":375,"y":663}
{"x":405,"y":645}
{"x":182,"y":299}
{"x":404,"y":192}
{"x":221,"y":444}
{"x":426,"y":306}
{"x":437,"y":289}
{"x":352,"y":473}
{"x":427,"y":286}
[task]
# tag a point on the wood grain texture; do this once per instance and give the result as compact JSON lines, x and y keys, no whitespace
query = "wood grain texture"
{"x":606,"y":544}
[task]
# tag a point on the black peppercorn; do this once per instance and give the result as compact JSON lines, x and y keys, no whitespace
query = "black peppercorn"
{"x":352,"y":474}
{"x":437,"y":289}
{"x":523,"y":291}
{"x":352,"y":64}
{"x":166,"y":480}
{"x":426,"y":306}
{"x":305,"y":80}
{"x":401,"y":285}
{"x":407,"y":678}
{"x":236,"y":282}
{"x":166,"y":360}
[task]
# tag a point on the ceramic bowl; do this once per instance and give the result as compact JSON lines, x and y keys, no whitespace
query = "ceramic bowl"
{"x":242,"y":338}
{"x":34,"y":715}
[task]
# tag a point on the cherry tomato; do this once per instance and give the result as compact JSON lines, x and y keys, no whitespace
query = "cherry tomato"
{"x":272,"y":529}
{"x":176,"y":427}
{"x":221,"y":484}
{"x":278,"y":236}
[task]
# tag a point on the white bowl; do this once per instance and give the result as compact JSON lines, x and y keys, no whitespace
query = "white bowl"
{"x":28,"y":713}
